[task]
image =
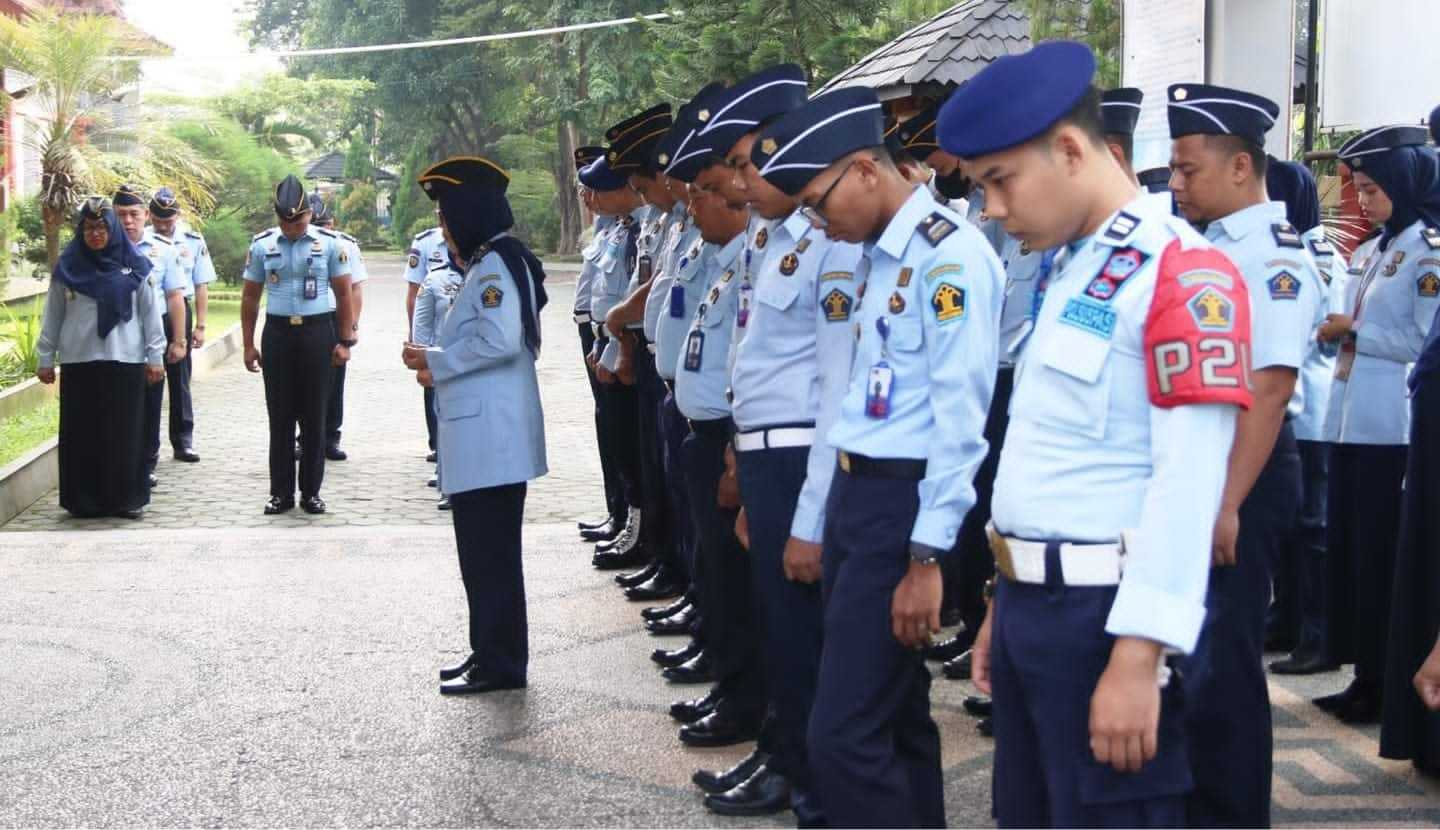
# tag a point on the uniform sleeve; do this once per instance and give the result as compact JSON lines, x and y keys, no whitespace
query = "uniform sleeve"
{"x":337,"y":259}
{"x":149,"y":308}
{"x":423,"y":324}
{"x":489,"y":332}
{"x":358,"y":272}
{"x":255,"y":264}
{"x":1403,"y":341}
{"x":173,"y":278}
{"x":962,"y":297}
{"x":1167,"y":556}
{"x":204,"y":272}
{"x":50,"y":325}
{"x":415,"y":264}
{"x":1284,"y":308}
{"x":834,"y":297}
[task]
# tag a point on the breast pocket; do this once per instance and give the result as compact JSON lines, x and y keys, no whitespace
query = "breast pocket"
{"x":778,"y":292}
{"x":461,"y":405}
{"x":1077,"y":393}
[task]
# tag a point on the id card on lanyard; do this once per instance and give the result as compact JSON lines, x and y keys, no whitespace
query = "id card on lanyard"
{"x":880,"y":384}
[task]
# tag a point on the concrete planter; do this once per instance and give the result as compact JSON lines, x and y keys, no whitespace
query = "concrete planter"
{"x":207,"y":359}
{"x":25,"y":396}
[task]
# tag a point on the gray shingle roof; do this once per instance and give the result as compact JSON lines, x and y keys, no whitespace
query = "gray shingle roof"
{"x":950,"y":48}
{"x":331,"y":167}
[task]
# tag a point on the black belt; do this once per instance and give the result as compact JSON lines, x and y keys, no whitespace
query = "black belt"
{"x":713,"y":428}
{"x":298,"y":320}
{"x":907,"y":469}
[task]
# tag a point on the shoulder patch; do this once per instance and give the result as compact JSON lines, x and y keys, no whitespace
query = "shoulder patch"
{"x":1286,"y":236}
{"x":1121,"y":228}
{"x":935,"y":228}
{"x":414,"y":260}
{"x":948,"y":270}
{"x":1428,"y":285}
{"x":1283,"y":286}
{"x":836,"y":306}
{"x":491,"y":296}
{"x":949,"y":302}
{"x":1120,"y":266}
{"x":262,"y":235}
{"x":1197,"y":332}
{"x":836,"y":275}
{"x":486,"y":278}
{"x":1431,"y":237}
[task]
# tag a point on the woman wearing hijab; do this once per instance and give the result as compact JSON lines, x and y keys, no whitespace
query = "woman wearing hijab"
{"x":491,"y":429}
{"x":102,"y":326}
{"x":1409,"y":730}
{"x":1391,"y":306}
{"x":1297,"y":615}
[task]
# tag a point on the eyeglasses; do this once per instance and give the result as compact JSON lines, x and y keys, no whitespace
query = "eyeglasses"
{"x":813,"y":213}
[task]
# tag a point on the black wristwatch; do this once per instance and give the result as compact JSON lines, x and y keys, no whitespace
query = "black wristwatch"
{"x":349,"y":344}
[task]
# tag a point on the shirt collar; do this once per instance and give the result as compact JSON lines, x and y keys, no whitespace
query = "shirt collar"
{"x":902,"y":227}
{"x":1244,"y":222}
{"x":796,"y":226}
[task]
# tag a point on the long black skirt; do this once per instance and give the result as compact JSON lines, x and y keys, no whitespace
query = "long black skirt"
{"x":1408,"y":730}
{"x":102,"y":436}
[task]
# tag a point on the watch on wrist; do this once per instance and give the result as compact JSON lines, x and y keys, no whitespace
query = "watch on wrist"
{"x":988,"y":592}
{"x":349,"y":344}
{"x":924,"y":554}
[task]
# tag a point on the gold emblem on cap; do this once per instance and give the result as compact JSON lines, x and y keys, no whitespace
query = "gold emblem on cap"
{"x":664,"y":158}
{"x":768,"y":147}
{"x":703,"y":116}
{"x":1181,"y":94}
{"x":612,"y":156}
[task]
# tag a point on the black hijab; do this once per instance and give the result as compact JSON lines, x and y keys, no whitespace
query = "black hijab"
{"x":476,"y":218}
{"x":1291,"y":182}
{"x":1410,"y":176}
{"x":110,"y":275}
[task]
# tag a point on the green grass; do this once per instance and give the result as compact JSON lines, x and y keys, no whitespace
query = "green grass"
{"x":22,"y":433}
{"x":220,"y":316}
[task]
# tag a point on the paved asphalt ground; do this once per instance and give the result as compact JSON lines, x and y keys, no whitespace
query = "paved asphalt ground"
{"x":213,"y":666}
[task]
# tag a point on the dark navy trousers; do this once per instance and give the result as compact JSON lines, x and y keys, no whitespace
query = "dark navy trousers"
{"x":791,"y":615}
{"x":488,"y":523}
{"x":1048,"y":649}
{"x":673,"y":429}
{"x":970,"y":564}
{"x":1228,"y":712}
{"x":874,"y":749}
{"x":1298,"y":610}
{"x":656,"y":529}
{"x":609,"y":468}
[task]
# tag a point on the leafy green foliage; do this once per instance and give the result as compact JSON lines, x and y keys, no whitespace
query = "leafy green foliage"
{"x":20,"y":348}
{"x":296,"y":115}
{"x":1095,"y":22}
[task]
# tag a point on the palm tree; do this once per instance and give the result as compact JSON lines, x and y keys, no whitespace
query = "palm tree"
{"x":71,"y":58}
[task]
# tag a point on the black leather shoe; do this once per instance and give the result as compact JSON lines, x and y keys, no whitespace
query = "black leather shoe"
{"x":615,"y":561}
{"x":452,"y":672}
{"x":674,"y":626}
{"x":697,"y":669}
{"x":1361,"y":710}
{"x":1339,"y":700}
{"x":334,"y":453}
{"x":1279,"y":641}
{"x":986,"y":727}
{"x":689,"y":711}
{"x":432,"y":457}
{"x":670,"y":658}
{"x":977,"y":706}
{"x":133,"y":515}
{"x":314,"y":505}
{"x":719,"y":782}
{"x":606,"y":531}
{"x":947,"y":650}
{"x":663,"y":585}
{"x":1298,"y":663}
{"x":187,"y":455}
{"x":154,"y":482}
{"x":959,"y":668}
{"x":762,"y":794}
{"x":633,"y":578}
{"x":443,"y":504}
{"x":722,"y":727}
{"x":277,"y":505}
{"x":660,"y":612}
{"x":472,"y":682}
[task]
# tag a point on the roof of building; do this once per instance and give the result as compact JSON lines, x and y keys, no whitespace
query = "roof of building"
{"x":947,"y":49}
{"x":331,"y":167}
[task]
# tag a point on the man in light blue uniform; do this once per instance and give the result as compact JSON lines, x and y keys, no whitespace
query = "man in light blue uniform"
{"x":1218,"y":167}
{"x":427,"y":250}
{"x":702,"y":380}
{"x":194,"y":261}
{"x":323,"y":217}
{"x":1106,"y":496}
{"x":790,"y":372}
{"x":492,"y":428}
{"x":432,"y":304}
{"x":299,"y":266}
{"x":608,"y":528}
{"x":909,"y":440}
{"x":169,"y":281}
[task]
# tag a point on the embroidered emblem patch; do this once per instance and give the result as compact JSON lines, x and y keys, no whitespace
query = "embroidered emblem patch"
{"x":944,"y":270}
{"x":837,"y":306}
{"x":948,"y":302}
{"x":897,"y":303}
{"x":1212,"y":310}
{"x":1283,"y":286}
{"x":344,"y":257}
{"x":788,"y":264}
{"x":761,"y":238}
{"x":1119,"y":267}
{"x":1089,"y":315}
{"x":1428,"y":285}
{"x":491,"y":297}
{"x":414,"y":260}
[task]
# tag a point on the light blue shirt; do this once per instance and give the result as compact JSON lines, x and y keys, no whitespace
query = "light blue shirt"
{"x":700,"y":387}
{"x":487,"y":398}
{"x":433,"y":302}
{"x":1319,"y":369}
{"x":69,"y":330}
{"x":794,"y":363}
{"x":1022,"y":280}
{"x":427,"y":250}
{"x":194,"y":260}
{"x":687,"y":286}
{"x":931,"y":311}
{"x":1088,"y":457}
{"x":283,"y":267}
{"x":649,"y":246}
{"x":589,"y":267}
{"x":615,"y":265}
{"x":1393,"y":301}
{"x":994,"y":232}
{"x":350,"y":258}
{"x":164,"y":258}
{"x":680,"y":235}
{"x":1287,"y":296}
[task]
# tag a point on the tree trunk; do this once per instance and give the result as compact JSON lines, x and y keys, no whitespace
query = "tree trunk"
{"x":567,"y":197}
{"x":54,"y":219}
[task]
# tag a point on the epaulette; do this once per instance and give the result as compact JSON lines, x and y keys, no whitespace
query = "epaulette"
{"x":327,"y":232}
{"x":1431,"y":237}
{"x":425,"y":234}
{"x":158,"y":238}
{"x":1321,"y":247}
{"x":1121,"y":228}
{"x":347,"y":237}
{"x":936,"y":227}
{"x":1286,"y":236}
{"x":194,"y":235}
{"x":262,"y":235}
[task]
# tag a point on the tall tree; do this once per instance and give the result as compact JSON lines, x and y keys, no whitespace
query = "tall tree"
{"x":1095,"y":22}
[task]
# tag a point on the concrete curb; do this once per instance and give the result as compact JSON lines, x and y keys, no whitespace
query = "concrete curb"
{"x":28,"y":478}
{"x":25,"y":396}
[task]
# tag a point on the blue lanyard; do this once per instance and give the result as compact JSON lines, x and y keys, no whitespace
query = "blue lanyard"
{"x":1042,"y":282}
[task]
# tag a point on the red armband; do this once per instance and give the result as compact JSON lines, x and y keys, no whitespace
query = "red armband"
{"x":1197,"y":335}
